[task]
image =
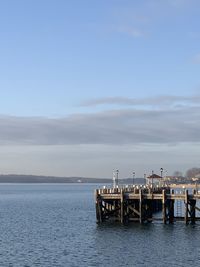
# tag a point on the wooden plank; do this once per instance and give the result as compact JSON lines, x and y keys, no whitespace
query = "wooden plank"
{"x":155,"y":196}
{"x":197,"y":208}
{"x":134,"y":210}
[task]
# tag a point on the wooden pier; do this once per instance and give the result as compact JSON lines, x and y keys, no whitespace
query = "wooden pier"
{"x":144,"y":204}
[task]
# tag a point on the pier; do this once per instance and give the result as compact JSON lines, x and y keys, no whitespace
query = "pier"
{"x":146,"y":204}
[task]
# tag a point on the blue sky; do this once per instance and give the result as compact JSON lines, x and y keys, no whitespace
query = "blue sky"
{"x":99,"y":84}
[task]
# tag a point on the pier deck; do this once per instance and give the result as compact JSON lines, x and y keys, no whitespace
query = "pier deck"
{"x":141,"y":204}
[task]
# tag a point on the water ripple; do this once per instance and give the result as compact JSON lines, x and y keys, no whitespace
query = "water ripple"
{"x":54,"y":225}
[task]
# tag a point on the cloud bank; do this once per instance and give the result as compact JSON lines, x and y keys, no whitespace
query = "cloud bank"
{"x":158,"y":101}
{"x":123,"y":126}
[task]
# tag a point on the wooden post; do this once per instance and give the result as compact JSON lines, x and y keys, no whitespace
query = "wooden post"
{"x":122,"y":206}
{"x":127,"y":211}
{"x":171,"y":211}
{"x":98,"y":207}
{"x":164,"y":206}
{"x":193,"y":211}
{"x":147,"y":210}
{"x":140,"y":206}
{"x":186,"y":206}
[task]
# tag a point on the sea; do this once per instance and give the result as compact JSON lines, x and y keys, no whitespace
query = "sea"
{"x":55,"y":225}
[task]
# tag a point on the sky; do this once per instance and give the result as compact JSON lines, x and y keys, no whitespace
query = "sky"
{"x":88,"y":87}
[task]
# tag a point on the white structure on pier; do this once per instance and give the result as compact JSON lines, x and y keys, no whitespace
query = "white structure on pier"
{"x":115,"y":178}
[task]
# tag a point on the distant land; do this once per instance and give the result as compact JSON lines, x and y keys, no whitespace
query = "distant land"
{"x":14,"y":178}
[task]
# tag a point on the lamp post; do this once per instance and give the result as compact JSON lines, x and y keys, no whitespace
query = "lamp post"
{"x":161,"y":172}
{"x":114,"y":179}
{"x":133,"y":176}
{"x":117,"y":177}
{"x":161,"y":183}
{"x":152,"y":179}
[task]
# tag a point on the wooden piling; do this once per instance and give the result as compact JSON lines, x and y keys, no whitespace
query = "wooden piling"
{"x":164,"y":206}
{"x":193,"y":211}
{"x":171,"y":211}
{"x":98,"y":208}
{"x":140,"y":206}
{"x":186,"y":206}
{"x":122,"y":206}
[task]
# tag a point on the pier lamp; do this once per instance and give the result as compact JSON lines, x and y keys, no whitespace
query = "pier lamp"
{"x":161,"y":171}
{"x":152,"y":178}
{"x":117,"y":176}
{"x":133,"y":176}
{"x":114,"y":179}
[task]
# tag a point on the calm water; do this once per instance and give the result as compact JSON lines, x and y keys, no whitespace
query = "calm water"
{"x":54,"y":225}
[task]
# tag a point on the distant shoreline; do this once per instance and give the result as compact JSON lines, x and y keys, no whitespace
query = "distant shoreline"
{"x":15,"y":178}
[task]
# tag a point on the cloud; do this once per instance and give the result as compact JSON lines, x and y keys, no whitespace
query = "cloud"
{"x":110,"y":100}
{"x":112,"y":127}
{"x":158,"y":101}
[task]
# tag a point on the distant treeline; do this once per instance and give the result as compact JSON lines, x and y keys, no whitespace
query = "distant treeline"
{"x":13,"y":178}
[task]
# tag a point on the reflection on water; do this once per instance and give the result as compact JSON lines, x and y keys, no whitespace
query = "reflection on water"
{"x":54,"y":225}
